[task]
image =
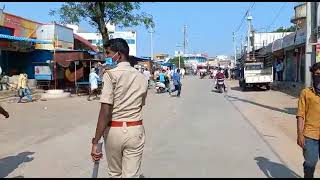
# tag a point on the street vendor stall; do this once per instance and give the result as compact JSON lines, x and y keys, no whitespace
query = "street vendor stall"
{"x":43,"y":74}
{"x":80,"y":74}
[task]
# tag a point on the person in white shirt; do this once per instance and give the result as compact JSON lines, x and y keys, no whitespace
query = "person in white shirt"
{"x":156,"y":74}
{"x":182,"y":71}
{"x":93,"y":79}
{"x":147,"y":74}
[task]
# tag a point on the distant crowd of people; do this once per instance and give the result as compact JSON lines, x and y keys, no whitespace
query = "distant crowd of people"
{"x":164,"y":77}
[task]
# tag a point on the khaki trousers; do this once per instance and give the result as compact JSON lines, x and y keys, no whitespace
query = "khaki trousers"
{"x":124,"y":148}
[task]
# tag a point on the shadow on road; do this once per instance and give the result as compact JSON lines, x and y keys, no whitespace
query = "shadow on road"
{"x":291,"y":111}
{"x":248,"y":89}
{"x":216,"y":91}
{"x":10,"y":163}
{"x":274,"y":170}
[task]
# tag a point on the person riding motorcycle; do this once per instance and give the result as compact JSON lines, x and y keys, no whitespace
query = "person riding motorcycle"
{"x":219,"y":75}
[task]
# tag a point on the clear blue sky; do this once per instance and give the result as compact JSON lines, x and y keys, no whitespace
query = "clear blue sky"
{"x":210,"y":24}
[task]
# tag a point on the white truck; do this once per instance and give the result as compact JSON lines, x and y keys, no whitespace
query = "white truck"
{"x":254,"y":74}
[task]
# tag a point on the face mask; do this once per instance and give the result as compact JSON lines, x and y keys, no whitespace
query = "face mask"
{"x":316,"y":83}
{"x":110,"y":60}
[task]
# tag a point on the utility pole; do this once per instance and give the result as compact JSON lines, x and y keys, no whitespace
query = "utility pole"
{"x":151,"y":42}
{"x":241,"y":46}
{"x":184,"y":38}
{"x":235,"y":47}
{"x":310,"y":46}
{"x":179,"y":53}
{"x":249,"y":18}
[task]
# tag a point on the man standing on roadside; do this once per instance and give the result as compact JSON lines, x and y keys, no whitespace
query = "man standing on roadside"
{"x":176,"y":78}
{"x":308,"y":123}
{"x":279,"y":69}
{"x":120,"y":119}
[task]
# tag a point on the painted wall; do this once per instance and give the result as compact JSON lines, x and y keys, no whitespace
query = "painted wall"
{"x":22,"y":27}
{"x":63,"y":36}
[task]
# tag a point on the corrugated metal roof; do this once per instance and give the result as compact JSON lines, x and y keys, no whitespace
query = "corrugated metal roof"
{"x":84,"y":41}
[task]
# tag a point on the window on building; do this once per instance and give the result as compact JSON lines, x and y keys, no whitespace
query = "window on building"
{"x":130,"y":41}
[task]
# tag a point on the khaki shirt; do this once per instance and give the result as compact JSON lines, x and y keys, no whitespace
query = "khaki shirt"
{"x":126,"y":90}
{"x":309,"y":110}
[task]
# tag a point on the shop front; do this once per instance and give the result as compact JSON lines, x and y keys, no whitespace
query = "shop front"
{"x":290,"y":58}
{"x":300,"y":49}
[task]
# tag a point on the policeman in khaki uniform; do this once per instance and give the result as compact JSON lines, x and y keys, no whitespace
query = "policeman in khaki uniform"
{"x":120,"y":119}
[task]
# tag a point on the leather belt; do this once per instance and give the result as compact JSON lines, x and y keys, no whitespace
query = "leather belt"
{"x":120,"y":123}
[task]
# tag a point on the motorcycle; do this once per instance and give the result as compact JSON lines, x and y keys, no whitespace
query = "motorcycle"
{"x":220,"y":85}
{"x":202,"y":75}
{"x":160,"y":87}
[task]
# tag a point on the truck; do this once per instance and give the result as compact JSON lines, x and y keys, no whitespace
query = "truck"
{"x":255,"y":72}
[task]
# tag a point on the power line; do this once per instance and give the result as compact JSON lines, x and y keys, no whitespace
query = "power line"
{"x":276,"y":17}
{"x":245,"y":15}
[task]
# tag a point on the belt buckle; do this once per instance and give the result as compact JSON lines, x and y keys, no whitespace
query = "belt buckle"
{"x":124,"y":126}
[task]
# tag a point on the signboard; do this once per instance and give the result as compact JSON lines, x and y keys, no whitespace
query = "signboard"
{"x":22,"y":27}
{"x":301,"y":36}
{"x":42,"y":73}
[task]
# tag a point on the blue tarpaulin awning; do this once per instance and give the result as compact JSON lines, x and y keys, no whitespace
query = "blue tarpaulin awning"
{"x":92,"y":52}
{"x":17,"y":38}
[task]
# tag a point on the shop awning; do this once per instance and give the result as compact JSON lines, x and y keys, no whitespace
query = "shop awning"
{"x":17,"y":38}
{"x":85,"y":42}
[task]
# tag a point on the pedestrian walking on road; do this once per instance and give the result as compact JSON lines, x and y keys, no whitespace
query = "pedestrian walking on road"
{"x":176,"y":78}
{"x":308,"y":123}
{"x":147,"y":74}
{"x":23,"y":88}
{"x":120,"y":120}
{"x":93,"y":80}
{"x":183,"y":72}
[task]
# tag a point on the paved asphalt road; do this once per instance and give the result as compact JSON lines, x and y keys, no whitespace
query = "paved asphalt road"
{"x":200,"y":134}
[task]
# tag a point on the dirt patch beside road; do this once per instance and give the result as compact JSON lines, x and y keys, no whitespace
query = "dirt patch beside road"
{"x":272,"y":113}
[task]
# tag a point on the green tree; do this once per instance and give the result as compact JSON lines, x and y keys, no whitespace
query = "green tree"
{"x":175,"y":61}
{"x":98,"y":14}
{"x":283,"y":29}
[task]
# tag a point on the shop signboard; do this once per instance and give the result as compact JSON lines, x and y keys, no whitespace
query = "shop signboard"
{"x":42,"y":73}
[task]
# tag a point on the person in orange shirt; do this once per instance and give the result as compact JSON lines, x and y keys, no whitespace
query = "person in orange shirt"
{"x":308,"y":123}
